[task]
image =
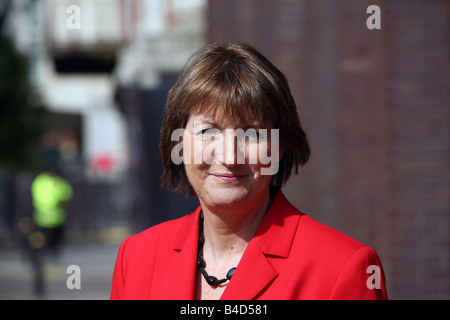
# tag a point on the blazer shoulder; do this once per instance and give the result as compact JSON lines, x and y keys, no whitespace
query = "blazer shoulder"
{"x":149,"y":238}
{"x":326,"y":238}
{"x":341,"y":266}
{"x":140,"y":257}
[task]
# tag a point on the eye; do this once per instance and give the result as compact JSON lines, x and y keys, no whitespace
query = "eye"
{"x":254,"y":135}
{"x":208,"y":132}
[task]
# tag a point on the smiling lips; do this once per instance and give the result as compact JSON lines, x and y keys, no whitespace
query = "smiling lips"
{"x":229,"y":177}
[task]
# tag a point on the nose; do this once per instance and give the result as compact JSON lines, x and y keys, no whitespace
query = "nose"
{"x":227,"y":152}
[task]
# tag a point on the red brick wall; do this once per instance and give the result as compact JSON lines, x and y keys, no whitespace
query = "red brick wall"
{"x":376,"y":107}
{"x":419,"y":148}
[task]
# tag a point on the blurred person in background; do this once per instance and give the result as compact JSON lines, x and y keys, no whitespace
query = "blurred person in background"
{"x":245,"y":240}
{"x":51,"y":193}
{"x":43,"y":232}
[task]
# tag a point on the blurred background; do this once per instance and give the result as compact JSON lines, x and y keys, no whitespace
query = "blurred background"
{"x":82,"y":91}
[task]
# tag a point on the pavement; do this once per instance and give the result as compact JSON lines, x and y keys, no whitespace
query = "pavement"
{"x":95,"y":261}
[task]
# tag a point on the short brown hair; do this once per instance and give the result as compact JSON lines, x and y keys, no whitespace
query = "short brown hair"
{"x":236,"y":81}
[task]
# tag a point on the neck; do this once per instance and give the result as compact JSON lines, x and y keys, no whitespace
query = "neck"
{"x":227,"y":231}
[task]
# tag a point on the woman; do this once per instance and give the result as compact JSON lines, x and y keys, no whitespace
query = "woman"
{"x":231,"y":136}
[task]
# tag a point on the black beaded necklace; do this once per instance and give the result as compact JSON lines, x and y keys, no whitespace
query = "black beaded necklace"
{"x":211,"y":280}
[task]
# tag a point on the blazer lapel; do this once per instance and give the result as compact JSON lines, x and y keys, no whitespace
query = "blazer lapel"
{"x":252,"y":275}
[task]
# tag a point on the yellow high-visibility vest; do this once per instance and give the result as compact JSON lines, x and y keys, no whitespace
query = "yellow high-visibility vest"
{"x":50,"y":193}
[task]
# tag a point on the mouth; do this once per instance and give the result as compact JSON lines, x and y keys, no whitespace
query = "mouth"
{"x":229,"y":177}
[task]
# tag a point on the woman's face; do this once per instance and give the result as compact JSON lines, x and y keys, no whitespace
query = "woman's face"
{"x":223,"y":160}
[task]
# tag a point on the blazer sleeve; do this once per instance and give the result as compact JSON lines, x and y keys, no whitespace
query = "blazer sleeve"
{"x":118,"y":281}
{"x":361,"y":278}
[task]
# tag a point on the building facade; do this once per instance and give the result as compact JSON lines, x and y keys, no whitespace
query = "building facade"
{"x":375,"y":105}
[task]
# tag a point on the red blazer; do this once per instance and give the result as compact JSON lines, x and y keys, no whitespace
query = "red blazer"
{"x":291,"y":256}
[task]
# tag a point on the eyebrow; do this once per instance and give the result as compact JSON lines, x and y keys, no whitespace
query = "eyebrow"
{"x":245,"y":127}
{"x":212,"y":123}
{"x":209,"y":121}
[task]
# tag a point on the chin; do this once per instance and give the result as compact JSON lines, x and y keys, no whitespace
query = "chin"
{"x":227,"y":196}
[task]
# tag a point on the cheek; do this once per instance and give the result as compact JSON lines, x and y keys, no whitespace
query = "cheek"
{"x":201,"y":152}
{"x":187,"y":149}
{"x":192,"y":150}
{"x":195,"y":175}
{"x":257,"y":153}
{"x":193,"y":155}
{"x":251,"y":153}
{"x":208,"y":151}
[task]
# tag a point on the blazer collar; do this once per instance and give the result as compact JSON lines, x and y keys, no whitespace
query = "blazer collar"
{"x":273,"y":238}
{"x":277,"y":230}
